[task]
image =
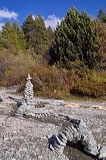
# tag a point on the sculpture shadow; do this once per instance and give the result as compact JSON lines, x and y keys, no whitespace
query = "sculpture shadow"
{"x":74,"y":150}
{"x":77,"y":147}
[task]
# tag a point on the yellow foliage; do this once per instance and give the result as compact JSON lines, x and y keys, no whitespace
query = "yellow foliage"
{"x":49,"y":80}
{"x":93,"y":85}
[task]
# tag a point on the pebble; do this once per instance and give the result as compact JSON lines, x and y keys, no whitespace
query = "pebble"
{"x":17,"y":146}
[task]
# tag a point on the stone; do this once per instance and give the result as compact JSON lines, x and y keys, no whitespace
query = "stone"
{"x":79,"y":132}
{"x":1,"y":99}
{"x":28,"y":92}
{"x":27,"y":104}
{"x":102,"y":153}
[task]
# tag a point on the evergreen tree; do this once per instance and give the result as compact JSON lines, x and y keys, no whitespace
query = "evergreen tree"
{"x":74,"y":40}
{"x":35,"y":33}
{"x":50,"y":33}
{"x":28,"y":27}
{"x":13,"y":37}
{"x":8,"y":31}
{"x":16,"y":26}
{"x":9,"y":37}
{"x":102,"y":15}
{"x":21,"y":37}
{"x":39,"y":35}
{"x":50,"y":36}
{"x":100,"y":43}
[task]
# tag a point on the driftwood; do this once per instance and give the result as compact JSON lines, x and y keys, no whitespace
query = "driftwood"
{"x":72,"y":105}
{"x":75,"y":105}
{"x":97,"y":107}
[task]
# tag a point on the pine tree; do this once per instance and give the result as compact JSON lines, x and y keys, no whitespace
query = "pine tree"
{"x":9,"y":37}
{"x":13,"y":37}
{"x":39,"y":35}
{"x":21,"y":36}
{"x":102,"y":15}
{"x":50,"y":35}
{"x":74,"y":40}
{"x":28,"y":27}
{"x":101,"y":42}
{"x":35,"y":33}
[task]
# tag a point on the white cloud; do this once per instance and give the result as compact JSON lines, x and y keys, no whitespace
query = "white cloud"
{"x":1,"y":24}
{"x":5,"y":13}
{"x":52,"y":21}
{"x":33,"y":17}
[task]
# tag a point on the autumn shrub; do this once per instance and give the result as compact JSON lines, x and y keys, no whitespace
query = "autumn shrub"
{"x":13,"y":68}
{"x":55,"y":82}
{"x":91,"y":85}
{"x":49,"y":80}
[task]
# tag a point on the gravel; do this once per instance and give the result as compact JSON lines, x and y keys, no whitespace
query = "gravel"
{"x":26,"y":138}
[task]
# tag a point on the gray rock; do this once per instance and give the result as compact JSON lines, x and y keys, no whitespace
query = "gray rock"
{"x":28,"y":92}
{"x":77,"y":131}
{"x":102,"y":153}
{"x":28,"y":102}
{"x":1,"y":99}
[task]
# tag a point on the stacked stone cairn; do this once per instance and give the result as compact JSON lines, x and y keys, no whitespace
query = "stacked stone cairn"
{"x":78,"y":132}
{"x":27,"y":104}
{"x":28,"y":92}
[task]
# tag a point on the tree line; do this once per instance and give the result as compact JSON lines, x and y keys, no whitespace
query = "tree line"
{"x":78,"y":45}
{"x":31,"y":35}
{"x":76,"y":38}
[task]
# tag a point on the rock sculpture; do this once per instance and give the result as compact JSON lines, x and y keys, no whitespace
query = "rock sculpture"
{"x":79,"y":132}
{"x":28,"y":93}
{"x":27,"y":104}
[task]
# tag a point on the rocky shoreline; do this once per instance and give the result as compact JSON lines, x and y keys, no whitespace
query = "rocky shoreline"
{"x":26,"y":138}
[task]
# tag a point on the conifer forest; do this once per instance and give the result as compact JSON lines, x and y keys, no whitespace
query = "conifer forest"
{"x":67,"y":61}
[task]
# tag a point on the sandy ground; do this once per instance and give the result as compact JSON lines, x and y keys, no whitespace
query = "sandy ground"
{"x":23,"y":138}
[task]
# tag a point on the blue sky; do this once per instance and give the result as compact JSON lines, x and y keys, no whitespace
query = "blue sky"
{"x":52,"y":10}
